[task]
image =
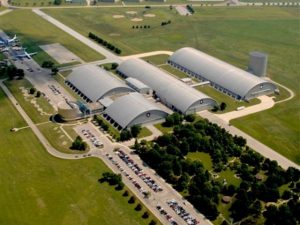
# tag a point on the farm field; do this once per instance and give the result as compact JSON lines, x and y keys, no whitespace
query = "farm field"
{"x":35,"y":31}
{"x":273,"y":30}
{"x":37,"y":188}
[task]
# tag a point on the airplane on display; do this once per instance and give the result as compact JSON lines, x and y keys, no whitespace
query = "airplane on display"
{"x":8,"y":41}
{"x":26,"y":55}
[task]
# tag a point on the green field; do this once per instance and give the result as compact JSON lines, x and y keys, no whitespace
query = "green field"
{"x":145,"y":132}
{"x":37,"y":188}
{"x":34,"y":31}
{"x":227,"y":33}
{"x":203,"y":157}
{"x":14,"y":87}
{"x":157,"y":59}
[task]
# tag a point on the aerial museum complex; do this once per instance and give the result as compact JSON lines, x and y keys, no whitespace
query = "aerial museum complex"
{"x":135,"y":115}
{"x":133,"y":101}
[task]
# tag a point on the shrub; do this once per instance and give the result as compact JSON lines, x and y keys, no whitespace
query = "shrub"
{"x":138,"y":207}
{"x":145,"y":215}
{"x":131,"y":200}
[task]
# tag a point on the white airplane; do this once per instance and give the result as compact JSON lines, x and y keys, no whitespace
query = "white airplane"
{"x":6,"y":42}
{"x":26,"y":55}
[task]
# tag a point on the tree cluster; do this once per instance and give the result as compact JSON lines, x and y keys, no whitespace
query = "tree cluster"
{"x":112,"y":179}
{"x":47,"y":64}
{"x":133,"y":132}
{"x":12,"y":72}
{"x":164,"y":23}
{"x":78,"y":144}
{"x":105,"y":43}
{"x":285,"y":214}
{"x":167,"y":156}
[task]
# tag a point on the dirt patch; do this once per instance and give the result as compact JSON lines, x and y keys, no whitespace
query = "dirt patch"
{"x":118,"y":16}
{"x":136,"y":19}
{"x":131,"y":12}
{"x":149,"y":15}
{"x":114,"y":34}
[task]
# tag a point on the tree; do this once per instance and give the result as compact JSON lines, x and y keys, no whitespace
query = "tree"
{"x":138,"y":207}
{"x":47,"y":64}
{"x":135,"y":130}
{"x":20,"y":73}
{"x":114,"y":66}
{"x":145,"y":215}
{"x":223,"y":106}
{"x":57,"y":2}
{"x":78,"y":144}
{"x":190,"y":117}
{"x":54,"y":70}
{"x":131,"y":200}
{"x":125,"y":135}
{"x":38,"y":94}
{"x":32,"y":90}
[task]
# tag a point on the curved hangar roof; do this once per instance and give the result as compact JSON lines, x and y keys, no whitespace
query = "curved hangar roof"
{"x":170,"y":90}
{"x":132,"y":109}
{"x":95,"y":82}
{"x":221,"y":73}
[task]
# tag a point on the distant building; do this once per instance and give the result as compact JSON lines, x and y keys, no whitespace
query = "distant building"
{"x":224,"y":77}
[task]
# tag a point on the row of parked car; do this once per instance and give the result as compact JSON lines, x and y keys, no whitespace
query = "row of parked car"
{"x":54,"y":89}
{"x":134,"y":182}
{"x":163,"y":212}
{"x":138,"y":171}
{"x":95,"y":141}
{"x":182,"y":212}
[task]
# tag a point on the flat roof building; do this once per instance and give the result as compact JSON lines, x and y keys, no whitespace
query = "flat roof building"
{"x":93,"y":83}
{"x":171,"y":91}
{"x":138,"y":86}
{"x":133,"y":109}
{"x":224,"y":77}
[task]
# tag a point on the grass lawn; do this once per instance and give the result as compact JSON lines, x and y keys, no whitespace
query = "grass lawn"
{"x":174,"y":71}
{"x":57,"y":138}
{"x":163,"y":129}
{"x":230,"y":178}
{"x":221,"y":97}
{"x":157,"y":59}
{"x":203,"y":157}
{"x":34,"y":31}
{"x":14,"y":87}
{"x":274,"y":30}
{"x":145,"y":132}
{"x":37,"y":188}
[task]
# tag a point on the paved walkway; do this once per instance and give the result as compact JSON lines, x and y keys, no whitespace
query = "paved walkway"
{"x":5,"y":12}
{"x":266,"y":103}
{"x":146,"y":54}
{"x":251,"y":142}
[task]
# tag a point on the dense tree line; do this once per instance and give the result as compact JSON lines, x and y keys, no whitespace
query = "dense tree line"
{"x":167,"y":156}
{"x":105,"y":43}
